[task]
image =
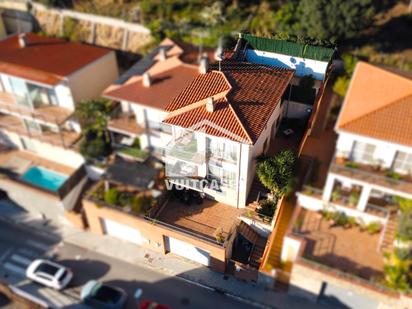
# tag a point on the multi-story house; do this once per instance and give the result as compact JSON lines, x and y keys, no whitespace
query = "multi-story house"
{"x":369,"y":174}
{"x":219,"y":121}
{"x":41,"y":80}
{"x":144,"y":92}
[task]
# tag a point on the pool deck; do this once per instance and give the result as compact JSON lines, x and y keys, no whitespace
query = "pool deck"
{"x":7,"y":155}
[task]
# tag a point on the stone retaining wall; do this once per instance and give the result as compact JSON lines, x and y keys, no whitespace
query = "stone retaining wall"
{"x":100,"y":30}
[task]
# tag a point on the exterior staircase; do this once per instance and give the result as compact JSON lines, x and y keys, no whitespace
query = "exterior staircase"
{"x":258,"y":241}
{"x":389,"y":232}
{"x":276,"y":240}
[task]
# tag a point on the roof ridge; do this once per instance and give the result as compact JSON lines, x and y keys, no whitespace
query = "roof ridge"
{"x":387,"y":71}
{"x":240,"y":122}
{"x":378,"y":110}
{"x":194,"y":105}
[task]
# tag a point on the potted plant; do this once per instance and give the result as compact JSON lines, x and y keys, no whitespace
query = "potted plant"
{"x":219,"y":235}
{"x":354,"y":198}
{"x":374,"y":227}
{"x":336,"y":195}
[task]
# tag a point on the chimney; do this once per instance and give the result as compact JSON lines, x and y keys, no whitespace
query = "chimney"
{"x":203,"y":65}
{"x":162,"y":53}
{"x":147,"y":81}
{"x":22,"y":40}
{"x":210,"y":105}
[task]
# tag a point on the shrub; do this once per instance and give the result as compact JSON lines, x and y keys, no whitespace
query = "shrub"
{"x":351,"y":164}
{"x":393,"y":175}
{"x":340,"y":218}
{"x":136,"y":143}
{"x":140,"y":204}
{"x":336,"y":195}
{"x":373,"y":227}
{"x":277,"y":173}
{"x":125,"y":199}
{"x":352,"y":221}
{"x":94,"y":148}
{"x":354,"y":198}
{"x":404,"y":232}
{"x":219,"y":235}
{"x":328,"y":215}
{"x":404,"y":203}
{"x":111,"y":196}
{"x":397,"y":271}
{"x":267,"y":208}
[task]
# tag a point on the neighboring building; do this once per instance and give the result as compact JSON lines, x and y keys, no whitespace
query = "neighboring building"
{"x":206,"y":124}
{"x":144,"y":92}
{"x":41,"y":80}
{"x":370,"y":171}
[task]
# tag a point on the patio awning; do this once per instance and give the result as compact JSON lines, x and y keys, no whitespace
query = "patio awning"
{"x":134,"y":174}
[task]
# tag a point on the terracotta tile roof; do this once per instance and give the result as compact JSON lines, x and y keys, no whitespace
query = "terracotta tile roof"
{"x":246,"y":96}
{"x":202,"y":87}
{"x":378,"y":104}
{"x":45,"y":60}
{"x":165,"y":86}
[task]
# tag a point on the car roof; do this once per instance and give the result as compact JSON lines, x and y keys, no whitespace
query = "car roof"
{"x":90,"y":288}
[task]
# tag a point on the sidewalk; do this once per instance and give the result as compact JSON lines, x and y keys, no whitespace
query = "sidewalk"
{"x":168,"y":264}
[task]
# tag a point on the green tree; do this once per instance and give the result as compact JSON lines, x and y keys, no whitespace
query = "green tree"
{"x":277,"y":173}
{"x":342,"y":82}
{"x":92,"y":116}
{"x":334,"y":20}
{"x":396,"y":269}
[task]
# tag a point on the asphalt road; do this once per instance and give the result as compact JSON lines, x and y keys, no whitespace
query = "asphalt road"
{"x":19,"y":246}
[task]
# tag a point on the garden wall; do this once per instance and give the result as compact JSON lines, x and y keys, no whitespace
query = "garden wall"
{"x":104,"y":31}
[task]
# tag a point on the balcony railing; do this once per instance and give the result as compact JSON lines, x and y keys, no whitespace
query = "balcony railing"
{"x":342,"y":204}
{"x":17,"y":105}
{"x":155,"y":221}
{"x":371,"y":175}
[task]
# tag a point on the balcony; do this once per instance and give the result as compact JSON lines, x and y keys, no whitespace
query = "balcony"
{"x":63,"y":138}
{"x":16,"y":106}
{"x":372,"y":174}
{"x":124,"y":123}
{"x":310,"y":198}
{"x":205,"y":219}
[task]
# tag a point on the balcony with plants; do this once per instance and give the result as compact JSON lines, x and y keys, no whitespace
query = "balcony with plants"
{"x":371,"y":171}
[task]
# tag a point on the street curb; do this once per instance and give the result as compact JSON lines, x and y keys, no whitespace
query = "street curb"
{"x":226,"y":293}
{"x":162,"y":270}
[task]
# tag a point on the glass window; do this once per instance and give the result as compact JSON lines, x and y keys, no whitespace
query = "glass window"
{"x":363,"y":152}
{"x":222,"y":150}
{"x":20,"y":91}
{"x":403,"y":162}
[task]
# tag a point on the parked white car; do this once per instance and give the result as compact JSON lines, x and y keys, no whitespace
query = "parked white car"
{"x":49,"y":274}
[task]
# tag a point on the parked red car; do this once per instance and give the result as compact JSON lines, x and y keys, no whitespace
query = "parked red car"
{"x":148,"y":304}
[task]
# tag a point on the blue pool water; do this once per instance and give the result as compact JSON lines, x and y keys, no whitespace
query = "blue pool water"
{"x":44,"y":178}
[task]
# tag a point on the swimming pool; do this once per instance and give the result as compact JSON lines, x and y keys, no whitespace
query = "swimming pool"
{"x":44,"y":178}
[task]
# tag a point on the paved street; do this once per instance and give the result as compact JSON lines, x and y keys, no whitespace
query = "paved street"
{"x":19,"y":246}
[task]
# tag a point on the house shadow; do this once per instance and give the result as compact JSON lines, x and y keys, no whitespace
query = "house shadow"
{"x":94,"y":269}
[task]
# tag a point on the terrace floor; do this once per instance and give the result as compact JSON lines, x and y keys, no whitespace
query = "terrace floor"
{"x":125,"y":123}
{"x":203,"y":219}
{"x":349,"y":250}
{"x":46,"y":113}
{"x":17,"y":161}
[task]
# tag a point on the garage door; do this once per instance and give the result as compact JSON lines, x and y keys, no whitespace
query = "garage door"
{"x":122,"y":231}
{"x":186,"y":250}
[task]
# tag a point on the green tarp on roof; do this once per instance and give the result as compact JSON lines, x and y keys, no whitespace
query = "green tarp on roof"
{"x":289,"y":48}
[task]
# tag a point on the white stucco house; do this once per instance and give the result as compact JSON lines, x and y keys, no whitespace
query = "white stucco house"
{"x":41,"y":81}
